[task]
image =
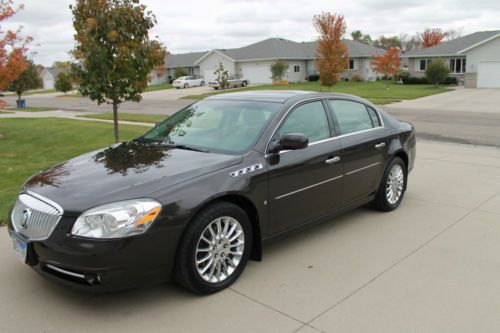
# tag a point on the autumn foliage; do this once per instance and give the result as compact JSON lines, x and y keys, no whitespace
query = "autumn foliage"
{"x":13,"y":48}
{"x":387,"y":64}
{"x":331,"y":52}
{"x":432,"y":37}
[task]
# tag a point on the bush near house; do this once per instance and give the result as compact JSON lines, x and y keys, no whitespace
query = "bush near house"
{"x":63,"y":83}
{"x":437,"y":72}
{"x":180,"y":72}
{"x":278,"y":70}
{"x":313,"y":78}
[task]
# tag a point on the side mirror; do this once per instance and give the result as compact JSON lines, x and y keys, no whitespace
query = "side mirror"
{"x":290,"y":141}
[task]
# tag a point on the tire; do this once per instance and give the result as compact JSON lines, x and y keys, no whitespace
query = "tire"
{"x":186,"y":85}
{"x":383,"y":199}
{"x":197,"y":276}
{"x":244,"y":83}
{"x":202,"y":83}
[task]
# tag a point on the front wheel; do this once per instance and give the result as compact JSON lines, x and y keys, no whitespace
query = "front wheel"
{"x":244,"y":83}
{"x":392,"y":187}
{"x":214,"y":249}
{"x":185,"y":85}
{"x":202,"y":83}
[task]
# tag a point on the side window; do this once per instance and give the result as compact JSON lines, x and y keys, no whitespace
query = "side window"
{"x":353,"y":117}
{"x":309,"y":119}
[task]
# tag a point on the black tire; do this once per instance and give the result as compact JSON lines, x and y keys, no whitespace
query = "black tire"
{"x":244,"y":83}
{"x":186,"y":272}
{"x":381,"y":201}
{"x":202,"y":83}
{"x":185,"y":85}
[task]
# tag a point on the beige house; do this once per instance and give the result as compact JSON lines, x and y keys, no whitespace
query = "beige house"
{"x":473,"y":59}
{"x":253,"y":61}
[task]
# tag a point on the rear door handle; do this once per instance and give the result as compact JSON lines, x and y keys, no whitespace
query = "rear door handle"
{"x":380,"y":145}
{"x":332,"y":160}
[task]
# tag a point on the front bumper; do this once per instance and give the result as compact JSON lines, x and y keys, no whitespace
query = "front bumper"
{"x":104,"y":265}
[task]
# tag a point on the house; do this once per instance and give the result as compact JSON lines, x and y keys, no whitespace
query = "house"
{"x":49,"y":75}
{"x":473,"y":59}
{"x":253,"y":61}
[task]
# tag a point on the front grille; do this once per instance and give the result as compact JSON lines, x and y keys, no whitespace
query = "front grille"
{"x":34,"y":216}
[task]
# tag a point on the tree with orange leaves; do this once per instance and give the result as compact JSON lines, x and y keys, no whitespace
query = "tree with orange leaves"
{"x":331,"y":52}
{"x":432,"y":37}
{"x":388,"y":63}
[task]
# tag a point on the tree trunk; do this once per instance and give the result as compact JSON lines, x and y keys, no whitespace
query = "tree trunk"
{"x":115,"y":121}
{"x":19,"y":97}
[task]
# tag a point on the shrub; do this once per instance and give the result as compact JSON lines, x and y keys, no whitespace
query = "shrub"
{"x":278,"y":70}
{"x":451,"y":80}
{"x":356,"y":78}
{"x":313,"y":78}
{"x":180,"y":72}
{"x":437,"y":72}
{"x":402,"y":75}
{"x":415,"y":80}
{"x":63,"y":83}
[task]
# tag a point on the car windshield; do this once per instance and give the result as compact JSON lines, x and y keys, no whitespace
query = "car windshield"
{"x":215,"y":125}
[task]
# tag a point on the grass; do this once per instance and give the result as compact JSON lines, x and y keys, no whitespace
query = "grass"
{"x":30,"y":145}
{"x":161,"y":86}
{"x":32,"y":109}
{"x":141,"y":118}
{"x":379,"y":92}
{"x":5,"y":112}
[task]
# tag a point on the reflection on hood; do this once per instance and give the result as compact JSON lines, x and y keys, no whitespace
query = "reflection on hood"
{"x":132,"y":156}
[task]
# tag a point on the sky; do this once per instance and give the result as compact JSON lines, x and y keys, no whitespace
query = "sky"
{"x":188,"y":25}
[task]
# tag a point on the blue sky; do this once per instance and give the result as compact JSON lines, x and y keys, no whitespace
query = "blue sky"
{"x":199,"y":25}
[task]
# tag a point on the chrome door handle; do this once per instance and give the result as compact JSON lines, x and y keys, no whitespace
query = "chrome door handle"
{"x":332,"y":160}
{"x":380,"y":145}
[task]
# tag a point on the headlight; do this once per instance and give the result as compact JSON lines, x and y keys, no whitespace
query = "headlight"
{"x":118,"y":219}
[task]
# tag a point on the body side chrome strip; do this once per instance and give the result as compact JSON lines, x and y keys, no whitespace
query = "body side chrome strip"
{"x":363,"y":168}
{"x":308,"y":187}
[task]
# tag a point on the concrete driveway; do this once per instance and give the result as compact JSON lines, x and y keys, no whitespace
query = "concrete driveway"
{"x":461,"y":99}
{"x":174,"y":94}
{"x":433,"y":265}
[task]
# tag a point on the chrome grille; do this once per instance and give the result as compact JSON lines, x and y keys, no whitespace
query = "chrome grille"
{"x":34,"y":216}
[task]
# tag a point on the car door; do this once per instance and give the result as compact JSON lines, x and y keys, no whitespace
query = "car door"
{"x":364,"y":142}
{"x":305,"y":183}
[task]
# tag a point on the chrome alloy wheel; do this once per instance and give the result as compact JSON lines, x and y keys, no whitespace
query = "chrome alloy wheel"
{"x":220,"y":249}
{"x":395,"y":183}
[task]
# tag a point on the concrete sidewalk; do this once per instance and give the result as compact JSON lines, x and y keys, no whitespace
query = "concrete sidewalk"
{"x":433,"y":265}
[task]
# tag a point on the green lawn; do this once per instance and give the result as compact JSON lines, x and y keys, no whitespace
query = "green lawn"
{"x":30,"y":145}
{"x":31,"y":109}
{"x":379,"y":92}
{"x":159,"y":87}
{"x":141,"y":118}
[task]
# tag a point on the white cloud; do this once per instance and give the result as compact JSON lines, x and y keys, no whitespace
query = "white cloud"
{"x":190,"y":25}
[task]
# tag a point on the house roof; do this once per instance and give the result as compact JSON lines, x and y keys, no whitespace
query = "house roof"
{"x":271,"y":48}
{"x":456,"y":46}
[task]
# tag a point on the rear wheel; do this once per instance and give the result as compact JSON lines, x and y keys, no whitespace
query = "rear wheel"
{"x":215,"y":248}
{"x":392,"y":187}
{"x":185,"y":85}
{"x":244,"y":83}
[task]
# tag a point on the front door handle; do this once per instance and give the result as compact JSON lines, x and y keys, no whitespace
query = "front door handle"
{"x":332,"y":160}
{"x":380,"y":145}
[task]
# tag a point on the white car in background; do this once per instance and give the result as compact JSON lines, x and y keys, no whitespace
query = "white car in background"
{"x":187,"y":82}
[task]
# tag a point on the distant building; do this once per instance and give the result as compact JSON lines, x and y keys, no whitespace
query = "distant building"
{"x":49,"y":74}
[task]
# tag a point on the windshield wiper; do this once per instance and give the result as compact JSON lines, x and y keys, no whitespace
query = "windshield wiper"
{"x":179,"y":146}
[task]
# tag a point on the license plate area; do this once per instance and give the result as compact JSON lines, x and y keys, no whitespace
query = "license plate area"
{"x":20,"y":248}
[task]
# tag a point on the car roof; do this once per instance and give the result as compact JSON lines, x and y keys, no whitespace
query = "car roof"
{"x":280,"y":96}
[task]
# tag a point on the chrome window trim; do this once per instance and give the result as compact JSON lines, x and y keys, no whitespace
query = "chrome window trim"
{"x":266,"y":155}
{"x":307,"y":187}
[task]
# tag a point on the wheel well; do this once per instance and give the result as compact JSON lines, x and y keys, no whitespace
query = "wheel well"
{"x":253,"y":215}
{"x":402,"y":155}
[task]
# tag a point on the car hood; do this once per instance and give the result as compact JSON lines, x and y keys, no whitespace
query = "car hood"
{"x":124,"y":171}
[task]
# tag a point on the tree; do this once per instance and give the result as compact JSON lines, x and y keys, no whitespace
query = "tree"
{"x":432,"y":37}
{"x":409,"y":43}
{"x":114,"y":50}
{"x":357,"y":35}
{"x":331,"y":52}
{"x":453,"y":34}
{"x":278,"y":70}
{"x":180,"y":71}
{"x":222,"y":76}
{"x":13,"y":48}
{"x":387,"y":64}
{"x":387,"y":42}
{"x":437,"y":72}
{"x":62,"y":64}
{"x":29,"y":79}
{"x":63,"y":82}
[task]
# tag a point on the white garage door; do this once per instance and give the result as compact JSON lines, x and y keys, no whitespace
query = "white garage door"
{"x":256,"y":74}
{"x":488,"y":74}
{"x":208,"y":75}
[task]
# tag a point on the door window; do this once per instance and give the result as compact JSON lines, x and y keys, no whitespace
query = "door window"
{"x":353,"y":117}
{"x":309,"y":119}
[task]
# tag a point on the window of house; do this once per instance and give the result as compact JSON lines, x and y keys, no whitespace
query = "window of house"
{"x":351,"y":63}
{"x":353,"y":117}
{"x":423,"y":64}
{"x":296,"y":68}
{"x":457,"y":65}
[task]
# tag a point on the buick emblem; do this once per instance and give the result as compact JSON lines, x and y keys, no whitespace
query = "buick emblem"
{"x":25,"y":218}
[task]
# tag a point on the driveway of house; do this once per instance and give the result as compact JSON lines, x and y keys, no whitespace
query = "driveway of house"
{"x":430,"y":266}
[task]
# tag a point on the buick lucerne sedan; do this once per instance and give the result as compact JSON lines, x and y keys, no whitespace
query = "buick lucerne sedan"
{"x":196,"y":197}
